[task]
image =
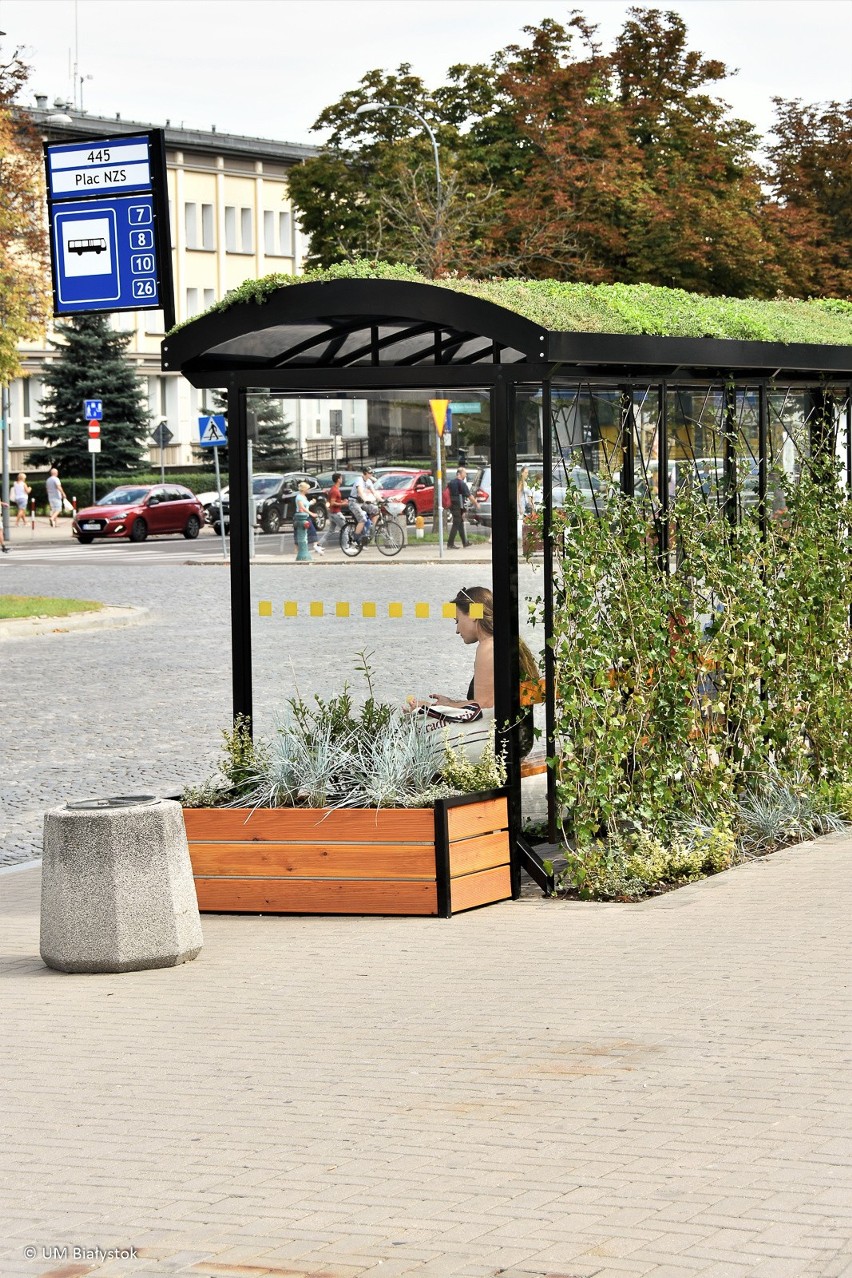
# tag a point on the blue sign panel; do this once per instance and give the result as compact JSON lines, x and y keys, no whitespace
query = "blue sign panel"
{"x":93,"y":410}
{"x":111,"y":166}
{"x":213,"y":430}
{"x":104,"y":254}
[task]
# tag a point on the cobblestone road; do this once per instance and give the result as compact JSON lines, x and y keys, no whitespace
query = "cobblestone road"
{"x":140,"y":709}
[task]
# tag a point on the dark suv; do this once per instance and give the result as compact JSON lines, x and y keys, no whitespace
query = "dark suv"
{"x":276,"y":507}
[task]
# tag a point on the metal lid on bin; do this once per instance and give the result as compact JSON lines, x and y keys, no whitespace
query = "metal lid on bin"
{"x":113,"y":801}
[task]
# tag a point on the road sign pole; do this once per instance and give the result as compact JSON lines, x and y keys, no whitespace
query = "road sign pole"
{"x":94,"y":495}
{"x":162,"y":463}
{"x":221,"y":512}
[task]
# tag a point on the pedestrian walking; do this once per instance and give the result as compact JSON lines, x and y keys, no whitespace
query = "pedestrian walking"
{"x":460,"y":495}
{"x":55,"y":497}
{"x":21,"y":497}
{"x":336,"y":519}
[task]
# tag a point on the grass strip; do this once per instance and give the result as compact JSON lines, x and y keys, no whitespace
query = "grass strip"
{"x":14,"y":606}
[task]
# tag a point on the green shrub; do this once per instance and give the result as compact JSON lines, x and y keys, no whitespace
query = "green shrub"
{"x":629,"y":866}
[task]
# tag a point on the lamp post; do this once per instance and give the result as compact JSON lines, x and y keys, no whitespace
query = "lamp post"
{"x":367,"y":107}
{"x":364,"y":109}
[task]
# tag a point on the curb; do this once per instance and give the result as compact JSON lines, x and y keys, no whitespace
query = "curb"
{"x":105,"y":619}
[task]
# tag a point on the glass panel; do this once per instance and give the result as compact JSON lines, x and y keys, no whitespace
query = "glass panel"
{"x":696,"y":442}
{"x":380,"y":620}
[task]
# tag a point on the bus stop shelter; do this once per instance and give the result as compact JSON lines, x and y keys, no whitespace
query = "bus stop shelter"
{"x":624,"y":408}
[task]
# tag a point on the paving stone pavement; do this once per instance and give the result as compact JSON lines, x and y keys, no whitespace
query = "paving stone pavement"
{"x":536,"y":1088}
{"x":141,"y":709}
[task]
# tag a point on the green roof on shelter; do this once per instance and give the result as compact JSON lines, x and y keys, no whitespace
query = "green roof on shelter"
{"x":602,"y":308}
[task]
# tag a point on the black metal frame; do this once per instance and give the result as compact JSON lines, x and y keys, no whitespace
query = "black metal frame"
{"x":348,"y":335}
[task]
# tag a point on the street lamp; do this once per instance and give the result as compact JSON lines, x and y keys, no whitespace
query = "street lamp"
{"x":367,"y":107}
{"x":364,"y":109}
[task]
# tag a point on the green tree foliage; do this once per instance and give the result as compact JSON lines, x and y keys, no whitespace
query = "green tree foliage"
{"x":565,"y":161}
{"x":810,"y":169}
{"x":92,"y":364}
{"x":24,"y":273}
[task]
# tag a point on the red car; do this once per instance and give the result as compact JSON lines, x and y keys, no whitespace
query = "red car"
{"x":412,"y":489}
{"x":136,"y":511}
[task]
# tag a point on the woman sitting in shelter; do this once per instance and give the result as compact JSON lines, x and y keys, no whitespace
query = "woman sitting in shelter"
{"x":475,"y":625}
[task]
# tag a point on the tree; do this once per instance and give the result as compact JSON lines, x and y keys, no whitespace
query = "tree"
{"x":372,"y":192}
{"x":92,"y":364}
{"x":563,"y":161}
{"x":24,"y":271}
{"x":810,"y":171}
{"x":273,"y":446}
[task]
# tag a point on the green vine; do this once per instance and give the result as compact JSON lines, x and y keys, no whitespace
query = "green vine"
{"x":677,"y":691}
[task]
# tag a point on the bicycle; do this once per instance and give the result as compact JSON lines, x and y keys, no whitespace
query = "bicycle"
{"x":385,"y":532}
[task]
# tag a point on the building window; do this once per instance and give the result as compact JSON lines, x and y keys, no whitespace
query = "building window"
{"x":230,"y":229}
{"x":246,"y":231}
{"x":276,"y":234}
{"x":190,"y":216}
{"x":208,"y":239}
{"x":209,"y":298}
{"x":191,"y":302}
{"x":285,"y":238}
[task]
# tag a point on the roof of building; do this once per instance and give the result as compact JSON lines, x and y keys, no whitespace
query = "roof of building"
{"x":67,"y":123}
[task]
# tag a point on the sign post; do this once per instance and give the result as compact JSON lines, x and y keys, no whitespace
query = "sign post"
{"x":439,"y":409}
{"x":93,"y":411}
{"x":161,"y":436}
{"x":213,"y":433}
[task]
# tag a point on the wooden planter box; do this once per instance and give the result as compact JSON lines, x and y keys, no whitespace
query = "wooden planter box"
{"x":438,"y":860}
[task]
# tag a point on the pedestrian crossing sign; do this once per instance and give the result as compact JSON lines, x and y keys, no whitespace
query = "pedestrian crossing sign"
{"x":213,"y":430}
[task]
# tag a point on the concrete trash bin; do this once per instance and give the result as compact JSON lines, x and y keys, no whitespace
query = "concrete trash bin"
{"x":117,"y":893}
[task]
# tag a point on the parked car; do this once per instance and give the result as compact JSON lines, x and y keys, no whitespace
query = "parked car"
{"x":210,"y":499}
{"x":588,"y":485}
{"x":136,"y":511}
{"x":261,"y":486}
{"x":412,"y":490}
{"x":275,"y":507}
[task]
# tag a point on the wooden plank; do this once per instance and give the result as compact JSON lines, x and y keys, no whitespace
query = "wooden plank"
{"x":306,"y":896}
{"x":288,"y":825}
{"x":482,"y":852}
{"x":477,"y":818}
{"x":534,"y":765}
{"x":480,"y":889}
{"x":314,"y":860}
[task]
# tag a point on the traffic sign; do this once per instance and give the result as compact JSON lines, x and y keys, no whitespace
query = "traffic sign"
{"x":466,"y":406}
{"x":92,"y":168}
{"x":93,"y":409}
{"x":213,"y":430}
{"x":109,"y":225}
{"x":94,"y":446}
{"x":161,"y":434}
{"x":105,"y":254}
{"x":94,"y":430}
{"x":439,"y":413}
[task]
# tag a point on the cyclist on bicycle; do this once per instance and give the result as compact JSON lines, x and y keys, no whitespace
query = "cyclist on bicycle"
{"x":364,"y":501}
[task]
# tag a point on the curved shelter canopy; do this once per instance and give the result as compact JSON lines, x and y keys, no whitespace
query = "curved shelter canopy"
{"x":379,"y":324}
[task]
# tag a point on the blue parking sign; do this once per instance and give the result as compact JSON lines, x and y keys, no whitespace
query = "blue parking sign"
{"x":93,"y":410}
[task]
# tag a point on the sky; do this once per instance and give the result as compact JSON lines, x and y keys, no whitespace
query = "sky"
{"x":266,"y":68}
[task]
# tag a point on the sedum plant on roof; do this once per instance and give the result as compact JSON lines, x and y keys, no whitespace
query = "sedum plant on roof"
{"x":603,"y":308}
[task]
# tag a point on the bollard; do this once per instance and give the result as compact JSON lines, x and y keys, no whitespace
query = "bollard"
{"x":419,"y":524}
{"x":300,"y":527}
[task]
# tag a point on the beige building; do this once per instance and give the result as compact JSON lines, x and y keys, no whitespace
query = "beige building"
{"x":231,"y":220}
